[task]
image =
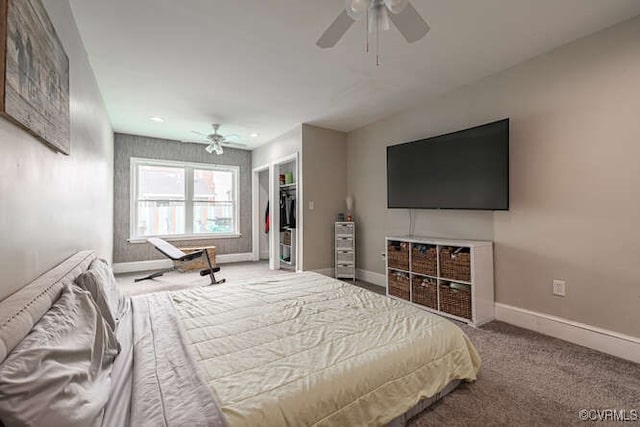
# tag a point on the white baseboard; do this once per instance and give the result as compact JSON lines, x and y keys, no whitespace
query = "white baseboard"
{"x":159,"y":264}
{"x":604,"y":340}
{"x":229,"y":258}
{"x":136,"y":266}
{"x":371,"y":277}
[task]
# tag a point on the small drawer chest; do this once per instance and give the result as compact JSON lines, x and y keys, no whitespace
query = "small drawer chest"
{"x":345,"y":250}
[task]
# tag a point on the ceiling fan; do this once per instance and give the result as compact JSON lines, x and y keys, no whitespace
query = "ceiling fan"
{"x":216,"y":141}
{"x":379,"y":14}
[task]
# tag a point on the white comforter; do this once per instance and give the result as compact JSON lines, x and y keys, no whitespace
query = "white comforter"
{"x":303,"y":349}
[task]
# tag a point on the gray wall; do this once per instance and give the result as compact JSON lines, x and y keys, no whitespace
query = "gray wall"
{"x":127,"y":146}
{"x":574,"y":179}
{"x":324,"y":155}
{"x":52,"y":205}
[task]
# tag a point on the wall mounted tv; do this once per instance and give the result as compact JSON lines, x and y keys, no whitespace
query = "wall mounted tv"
{"x":468,"y":169}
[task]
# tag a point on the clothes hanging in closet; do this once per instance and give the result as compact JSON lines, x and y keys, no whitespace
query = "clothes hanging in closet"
{"x":283,"y":211}
{"x":267,"y":222}
{"x":287,"y":211}
{"x":291,"y":212}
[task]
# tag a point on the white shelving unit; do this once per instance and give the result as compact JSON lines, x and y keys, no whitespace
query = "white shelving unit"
{"x":288,"y":247}
{"x":345,"y":250}
{"x":453,"y":278}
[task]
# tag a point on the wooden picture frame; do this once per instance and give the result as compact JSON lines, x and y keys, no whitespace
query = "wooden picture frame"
{"x":34,"y":73}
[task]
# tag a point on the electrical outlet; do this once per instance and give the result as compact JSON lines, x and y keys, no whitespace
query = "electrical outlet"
{"x":559,"y":288}
{"x":312,"y":205}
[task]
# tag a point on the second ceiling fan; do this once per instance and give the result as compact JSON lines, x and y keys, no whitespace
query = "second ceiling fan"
{"x":216,"y":141}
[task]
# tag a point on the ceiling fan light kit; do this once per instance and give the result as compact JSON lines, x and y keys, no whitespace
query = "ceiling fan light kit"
{"x":356,"y":8}
{"x":379,"y":15}
{"x":214,"y":147}
{"x":216,"y":141}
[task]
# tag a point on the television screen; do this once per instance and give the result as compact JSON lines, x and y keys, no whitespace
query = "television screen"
{"x":468,"y":169}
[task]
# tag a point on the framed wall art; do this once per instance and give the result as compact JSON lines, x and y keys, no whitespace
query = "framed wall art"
{"x":34,"y":75}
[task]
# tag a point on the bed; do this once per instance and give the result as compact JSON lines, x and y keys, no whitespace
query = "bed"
{"x":296,"y":349}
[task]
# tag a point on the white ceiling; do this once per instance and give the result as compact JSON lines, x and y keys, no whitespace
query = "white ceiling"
{"x":253,"y":65}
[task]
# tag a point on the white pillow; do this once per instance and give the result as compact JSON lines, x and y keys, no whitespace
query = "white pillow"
{"x":59,"y":375}
{"x":102,"y":285}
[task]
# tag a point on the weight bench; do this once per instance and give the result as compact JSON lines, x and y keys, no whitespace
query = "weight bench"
{"x":175,"y":254}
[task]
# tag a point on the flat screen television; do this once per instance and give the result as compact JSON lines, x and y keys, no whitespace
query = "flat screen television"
{"x":468,"y":169}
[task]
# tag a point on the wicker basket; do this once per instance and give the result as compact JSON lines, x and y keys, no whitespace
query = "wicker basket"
{"x":344,"y":229}
{"x":398,"y":255}
{"x":455,"y":263}
{"x":345,"y":271}
{"x":424,"y":291}
{"x":424,"y":259}
{"x":345,"y":256}
{"x":344,"y":242}
{"x":399,"y":284}
{"x":455,"y":301}
{"x":286,"y":239}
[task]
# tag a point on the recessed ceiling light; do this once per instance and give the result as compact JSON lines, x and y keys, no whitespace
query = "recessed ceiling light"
{"x":254,"y":135}
{"x":157,"y":119}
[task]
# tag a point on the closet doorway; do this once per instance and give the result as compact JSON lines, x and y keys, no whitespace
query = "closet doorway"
{"x":286,"y":236}
{"x":276,"y":219}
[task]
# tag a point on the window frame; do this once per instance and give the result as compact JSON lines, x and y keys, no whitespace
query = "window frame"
{"x":189,"y":201}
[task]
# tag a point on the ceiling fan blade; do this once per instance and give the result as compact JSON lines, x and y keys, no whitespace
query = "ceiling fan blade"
{"x":335,"y":31}
{"x":410,"y":23}
{"x":198,"y":133}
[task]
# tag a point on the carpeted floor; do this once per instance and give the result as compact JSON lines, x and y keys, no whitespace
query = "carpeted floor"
{"x":526,"y":378}
{"x":532,"y":379}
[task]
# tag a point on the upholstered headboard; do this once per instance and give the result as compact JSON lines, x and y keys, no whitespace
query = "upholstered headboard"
{"x":20,"y":311}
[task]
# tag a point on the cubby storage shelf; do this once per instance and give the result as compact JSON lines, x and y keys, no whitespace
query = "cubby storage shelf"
{"x":447,"y":293}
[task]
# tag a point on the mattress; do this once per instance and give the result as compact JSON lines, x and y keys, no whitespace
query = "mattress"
{"x":304,"y":349}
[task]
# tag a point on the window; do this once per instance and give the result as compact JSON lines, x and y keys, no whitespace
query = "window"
{"x":183,"y":199}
